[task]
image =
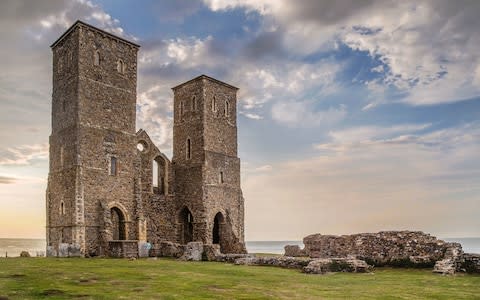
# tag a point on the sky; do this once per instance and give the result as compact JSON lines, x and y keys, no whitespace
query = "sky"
{"x":354,"y":116}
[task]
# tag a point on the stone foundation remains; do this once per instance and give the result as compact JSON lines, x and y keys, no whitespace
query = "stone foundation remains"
{"x":390,"y":248}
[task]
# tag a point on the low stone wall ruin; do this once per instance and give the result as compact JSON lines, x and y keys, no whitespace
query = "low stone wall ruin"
{"x":471,"y":263}
{"x":123,"y":248}
{"x":394,"y":248}
{"x":390,"y":248}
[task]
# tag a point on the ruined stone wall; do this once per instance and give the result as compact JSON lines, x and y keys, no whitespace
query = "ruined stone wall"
{"x":471,"y":263}
{"x":221,"y":174}
{"x":396,"y":248}
{"x":93,"y":125}
{"x":107,"y":99}
{"x":158,"y":206}
{"x":188,"y":124}
{"x":93,"y":119}
{"x":63,"y":145}
{"x":220,"y":126}
{"x":208,"y":182}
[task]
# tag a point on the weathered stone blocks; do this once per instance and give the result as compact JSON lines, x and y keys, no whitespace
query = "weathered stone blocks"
{"x":294,"y":251}
{"x":327,"y":265}
{"x":193,"y":251}
{"x":169,"y":249}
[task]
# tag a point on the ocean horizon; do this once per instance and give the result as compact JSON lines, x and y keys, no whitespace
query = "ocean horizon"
{"x":12,"y":247}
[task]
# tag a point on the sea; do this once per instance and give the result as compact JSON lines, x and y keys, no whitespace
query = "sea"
{"x":36,"y":247}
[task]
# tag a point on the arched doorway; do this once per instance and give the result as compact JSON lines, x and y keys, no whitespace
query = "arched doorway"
{"x":186,"y":220}
{"x":118,"y":224}
{"x":217,"y":234}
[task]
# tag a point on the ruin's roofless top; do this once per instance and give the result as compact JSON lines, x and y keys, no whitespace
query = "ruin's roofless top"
{"x":78,"y":23}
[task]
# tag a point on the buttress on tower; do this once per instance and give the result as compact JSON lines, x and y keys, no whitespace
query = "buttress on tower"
{"x":110,"y":189}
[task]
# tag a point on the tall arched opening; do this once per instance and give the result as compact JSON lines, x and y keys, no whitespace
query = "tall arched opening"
{"x":186,"y":224}
{"x":118,"y":224}
{"x":159,"y":175}
{"x":218,"y":233}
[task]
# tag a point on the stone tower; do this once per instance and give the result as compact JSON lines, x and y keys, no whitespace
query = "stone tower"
{"x":90,"y":194}
{"x":207,"y":169}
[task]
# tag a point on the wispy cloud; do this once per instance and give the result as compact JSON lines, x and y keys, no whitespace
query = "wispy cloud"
{"x":304,"y":114}
{"x":379,"y":182}
{"x":23,"y":155}
{"x":7,"y":180}
{"x":436,"y":63}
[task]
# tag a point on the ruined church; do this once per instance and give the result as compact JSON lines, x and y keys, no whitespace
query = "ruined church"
{"x":109,"y":186}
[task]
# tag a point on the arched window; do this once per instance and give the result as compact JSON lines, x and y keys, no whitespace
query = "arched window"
{"x":227,"y":109}
{"x":120,"y":66}
{"x":96,"y":58}
{"x":214,"y":104}
{"x":194,"y":103}
{"x":189,"y":149}
{"x":113,"y":166}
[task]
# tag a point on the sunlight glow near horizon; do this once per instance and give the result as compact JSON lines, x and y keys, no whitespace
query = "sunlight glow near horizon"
{"x":340,"y":130}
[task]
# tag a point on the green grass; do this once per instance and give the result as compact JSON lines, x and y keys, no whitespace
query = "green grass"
{"x":33,"y":278}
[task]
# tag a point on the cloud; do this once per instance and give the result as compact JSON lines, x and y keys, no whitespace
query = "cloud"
{"x":303,"y":114}
{"x":362,"y":133}
{"x":7,"y":180}
{"x":23,"y":155}
{"x":264,"y":168}
{"x":154,"y":115}
{"x":251,"y":116}
{"x":383,"y":181}
{"x":425,"y":50}
{"x":176,"y":11}
{"x":27,"y":29}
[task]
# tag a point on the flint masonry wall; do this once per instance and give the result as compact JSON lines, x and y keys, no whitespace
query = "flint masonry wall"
{"x":93,"y":119}
{"x":208,"y":182}
{"x":400,"y":248}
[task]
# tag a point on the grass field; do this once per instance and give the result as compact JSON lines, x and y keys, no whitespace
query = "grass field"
{"x":33,"y":278}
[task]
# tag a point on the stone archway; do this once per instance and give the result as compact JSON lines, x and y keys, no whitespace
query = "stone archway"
{"x":219,"y":231}
{"x":119,"y":231}
{"x":186,"y":226}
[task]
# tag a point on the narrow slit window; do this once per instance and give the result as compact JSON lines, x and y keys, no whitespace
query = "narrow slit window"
{"x":194,"y":103}
{"x":113,"y":166}
{"x":155,"y":174}
{"x":62,"y":208}
{"x":96,"y":58}
{"x":61,"y":156}
{"x":120,"y":66}
{"x":182,"y":108}
{"x":189,"y":149}
{"x":227,"y":108}
{"x":214,"y":104}
{"x":220,"y":177}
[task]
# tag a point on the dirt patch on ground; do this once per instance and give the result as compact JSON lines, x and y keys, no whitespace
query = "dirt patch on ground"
{"x":16,"y":276}
{"x":52,"y":292}
{"x":87,"y":280}
{"x":215,"y":288}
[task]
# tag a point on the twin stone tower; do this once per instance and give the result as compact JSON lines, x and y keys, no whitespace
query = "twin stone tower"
{"x":110,"y":190}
